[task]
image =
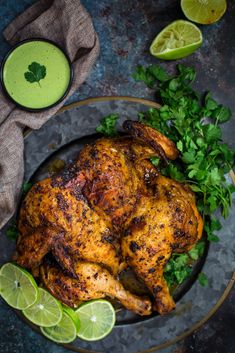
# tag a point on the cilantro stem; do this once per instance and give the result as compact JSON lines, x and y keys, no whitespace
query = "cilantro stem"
{"x":189,"y":181}
{"x":204,"y":202}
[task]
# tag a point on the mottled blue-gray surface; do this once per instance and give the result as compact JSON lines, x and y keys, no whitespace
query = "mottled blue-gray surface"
{"x":126,"y":28}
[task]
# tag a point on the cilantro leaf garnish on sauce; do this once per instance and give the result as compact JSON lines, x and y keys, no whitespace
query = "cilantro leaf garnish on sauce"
{"x":36,"y":73}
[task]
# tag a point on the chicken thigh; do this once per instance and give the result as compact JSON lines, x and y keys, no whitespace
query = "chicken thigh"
{"x":57,"y":218}
{"x":164,"y":223}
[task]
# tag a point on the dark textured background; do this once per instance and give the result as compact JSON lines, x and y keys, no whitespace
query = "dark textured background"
{"x":126,"y":28}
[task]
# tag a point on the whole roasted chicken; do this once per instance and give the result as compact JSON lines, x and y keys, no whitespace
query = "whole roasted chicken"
{"x":109,"y":210}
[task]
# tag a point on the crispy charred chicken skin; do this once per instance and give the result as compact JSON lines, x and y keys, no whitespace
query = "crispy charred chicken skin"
{"x":109,"y":210}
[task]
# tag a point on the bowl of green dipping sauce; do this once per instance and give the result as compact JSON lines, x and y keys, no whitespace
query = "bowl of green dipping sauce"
{"x":36,"y":74}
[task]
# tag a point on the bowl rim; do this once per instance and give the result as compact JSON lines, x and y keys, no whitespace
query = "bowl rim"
{"x":18,"y":44}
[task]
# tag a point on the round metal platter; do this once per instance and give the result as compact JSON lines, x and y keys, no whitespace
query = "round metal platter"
{"x":60,"y":139}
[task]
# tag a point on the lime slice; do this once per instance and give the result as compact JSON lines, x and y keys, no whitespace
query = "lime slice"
{"x":17,"y":287}
{"x":46,"y":311}
{"x":64,"y":332}
{"x":97,"y":319}
{"x":204,"y":11}
{"x":177,"y":40}
{"x":72,"y":315}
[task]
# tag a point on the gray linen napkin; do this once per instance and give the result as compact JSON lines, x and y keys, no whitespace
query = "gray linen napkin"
{"x":67,"y":23}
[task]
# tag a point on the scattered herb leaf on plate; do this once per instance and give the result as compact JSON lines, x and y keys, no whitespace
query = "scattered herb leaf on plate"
{"x":12,"y":231}
{"x":107,"y":125}
{"x":26,"y":187}
{"x":203,"y":279}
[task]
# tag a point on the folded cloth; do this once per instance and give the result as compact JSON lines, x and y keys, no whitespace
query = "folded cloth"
{"x":67,"y":23}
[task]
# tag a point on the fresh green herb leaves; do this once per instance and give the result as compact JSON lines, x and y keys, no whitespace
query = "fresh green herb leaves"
{"x":107,"y":125}
{"x":193,"y":124}
{"x":36,"y":73}
{"x":173,"y":172}
{"x":155,"y":161}
{"x":179,"y":268}
{"x":210,"y":226}
{"x":26,"y":187}
{"x":12,"y":231}
{"x":203,"y":279}
{"x":218,"y":112}
{"x":197,"y":251}
{"x":150,"y":74}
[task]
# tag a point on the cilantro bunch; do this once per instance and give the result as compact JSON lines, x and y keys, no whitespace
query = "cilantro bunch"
{"x":178,"y":267}
{"x":192,"y":122}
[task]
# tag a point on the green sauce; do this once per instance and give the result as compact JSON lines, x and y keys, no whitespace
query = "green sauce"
{"x":48,"y":90}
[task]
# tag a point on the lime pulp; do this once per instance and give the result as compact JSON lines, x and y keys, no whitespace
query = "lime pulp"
{"x":46,"y":311}
{"x":17,"y":287}
{"x":177,"y":40}
{"x":97,"y":319}
{"x":204,"y":11}
{"x":64,"y":332}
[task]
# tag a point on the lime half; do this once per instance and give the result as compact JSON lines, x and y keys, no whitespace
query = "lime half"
{"x":97,"y":319}
{"x":17,"y":287}
{"x":177,"y":40}
{"x":64,"y":332}
{"x":46,"y":311}
{"x":204,"y":11}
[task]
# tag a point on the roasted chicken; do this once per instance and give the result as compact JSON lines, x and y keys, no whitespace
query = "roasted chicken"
{"x":108,"y":211}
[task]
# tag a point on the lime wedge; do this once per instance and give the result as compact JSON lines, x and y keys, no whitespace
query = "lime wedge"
{"x":177,"y":40}
{"x":72,"y":315}
{"x":46,"y":311}
{"x":17,"y":287}
{"x":97,"y":319}
{"x":64,"y":332}
{"x":204,"y":11}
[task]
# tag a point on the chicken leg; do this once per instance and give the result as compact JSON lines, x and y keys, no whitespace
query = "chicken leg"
{"x":92,"y":282}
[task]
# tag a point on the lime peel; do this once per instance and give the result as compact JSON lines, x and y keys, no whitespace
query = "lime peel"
{"x":46,"y":311}
{"x":72,"y":314}
{"x":64,"y":332}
